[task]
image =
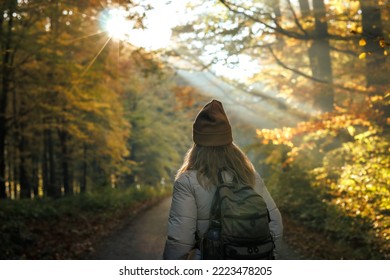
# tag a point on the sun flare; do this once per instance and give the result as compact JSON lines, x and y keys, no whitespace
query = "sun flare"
{"x":155,"y":35}
{"x":116,"y":24}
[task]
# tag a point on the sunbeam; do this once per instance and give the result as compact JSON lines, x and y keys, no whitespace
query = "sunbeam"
{"x":86,"y":37}
{"x":92,"y":62}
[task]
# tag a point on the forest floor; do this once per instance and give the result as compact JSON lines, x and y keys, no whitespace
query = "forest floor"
{"x":143,"y":238}
{"x":312,"y":244}
{"x":134,"y":232}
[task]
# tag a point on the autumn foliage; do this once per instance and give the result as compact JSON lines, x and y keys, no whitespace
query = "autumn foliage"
{"x":334,"y":175}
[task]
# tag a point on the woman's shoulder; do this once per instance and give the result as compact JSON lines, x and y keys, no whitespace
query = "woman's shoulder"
{"x":259,"y":186}
{"x":187,"y":177}
{"x":258,"y":177}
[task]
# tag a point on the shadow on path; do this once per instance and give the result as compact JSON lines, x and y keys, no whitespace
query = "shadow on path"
{"x":144,"y":238}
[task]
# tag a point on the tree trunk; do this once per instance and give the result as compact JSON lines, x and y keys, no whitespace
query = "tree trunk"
{"x":25,"y":186}
{"x":83,"y":181}
{"x":45,"y":164}
{"x":320,"y":59}
{"x":10,"y":180}
{"x":3,"y":132}
{"x":53,"y":188}
{"x":15,"y":175}
{"x":373,"y":33}
{"x":305,"y":8}
{"x":68,"y":188}
{"x":35,"y":175}
{"x":6,"y":68}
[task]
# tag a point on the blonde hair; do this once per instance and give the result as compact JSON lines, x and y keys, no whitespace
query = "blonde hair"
{"x":207,"y":161}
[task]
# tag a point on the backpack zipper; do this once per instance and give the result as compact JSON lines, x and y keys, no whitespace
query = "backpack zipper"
{"x":249,"y":196}
{"x":246,"y":217}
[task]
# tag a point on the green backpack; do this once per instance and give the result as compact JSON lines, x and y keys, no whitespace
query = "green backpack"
{"x":239,"y":225}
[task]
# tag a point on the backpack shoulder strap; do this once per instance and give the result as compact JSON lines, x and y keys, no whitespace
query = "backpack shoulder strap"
{"x":221,"y":180}
{"x":215,"y":211}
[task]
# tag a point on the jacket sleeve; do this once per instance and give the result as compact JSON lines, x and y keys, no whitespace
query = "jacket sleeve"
{"x":276,"y":224}
{"x":181,"y":223}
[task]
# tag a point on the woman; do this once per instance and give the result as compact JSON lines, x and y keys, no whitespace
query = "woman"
{"x":194,"y":187}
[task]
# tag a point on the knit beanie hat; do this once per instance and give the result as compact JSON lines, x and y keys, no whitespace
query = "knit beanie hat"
{"x":211,"y":126}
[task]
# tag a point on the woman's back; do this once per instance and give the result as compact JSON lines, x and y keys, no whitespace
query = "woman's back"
{"x":196,"y":182}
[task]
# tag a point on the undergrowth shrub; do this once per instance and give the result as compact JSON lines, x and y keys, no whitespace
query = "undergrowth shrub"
{"x":24,"y":223}
{"x":336,"y":180}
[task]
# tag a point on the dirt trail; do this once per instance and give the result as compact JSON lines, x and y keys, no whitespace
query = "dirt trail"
{"x":144,"y":238}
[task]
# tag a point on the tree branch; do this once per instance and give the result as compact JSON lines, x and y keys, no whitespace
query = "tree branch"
{"x":296,"y":71}
{"x":278,"y":28}
{"x":296,"y":19}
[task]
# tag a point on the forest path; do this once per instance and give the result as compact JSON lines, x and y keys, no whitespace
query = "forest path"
{"x":143,"y":238}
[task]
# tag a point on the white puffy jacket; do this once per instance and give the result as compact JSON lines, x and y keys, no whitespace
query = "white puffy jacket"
{"x":190,"y":210}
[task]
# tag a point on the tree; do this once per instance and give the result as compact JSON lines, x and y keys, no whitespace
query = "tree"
{"x":320,"y":42}
{"x":7,"y":10}
{"x":55,"y":88}
{"x":158,"y":123}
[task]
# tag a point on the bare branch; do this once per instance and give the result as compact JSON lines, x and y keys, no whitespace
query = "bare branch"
{"x":296,"y":71}
{"x":278,"y":28}
{"x":296,"y":19}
